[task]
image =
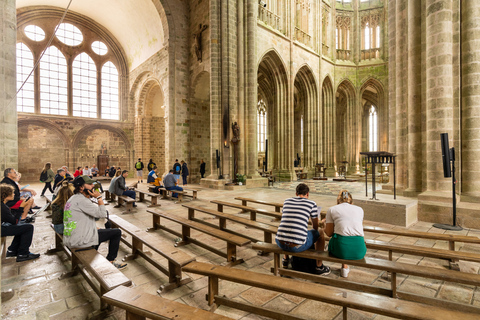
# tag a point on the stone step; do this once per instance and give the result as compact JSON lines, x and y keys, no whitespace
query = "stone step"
{"x":468,"y":214}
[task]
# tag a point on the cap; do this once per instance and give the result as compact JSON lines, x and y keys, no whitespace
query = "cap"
{"x":81,"y":180}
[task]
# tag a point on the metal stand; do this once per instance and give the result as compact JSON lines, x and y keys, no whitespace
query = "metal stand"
{"x":453,"y":227}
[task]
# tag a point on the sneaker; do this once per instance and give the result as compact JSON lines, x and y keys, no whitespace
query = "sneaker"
{"x":285,"y":262}
{"x":344,"y":272}
{"x":323,"y":270}
{"x":119,"y":265}
{"x":26,"y":257}
{"x":11,"y":254}
{"x":134,"y":205}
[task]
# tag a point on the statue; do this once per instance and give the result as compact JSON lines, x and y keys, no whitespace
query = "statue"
{"x":198,"y":41}
{"x":235,"y":140}
{"x":236,"y":132}
{"x":103,"y":148}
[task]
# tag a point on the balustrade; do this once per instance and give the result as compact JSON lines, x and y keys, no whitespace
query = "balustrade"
{"x":269,"y":18}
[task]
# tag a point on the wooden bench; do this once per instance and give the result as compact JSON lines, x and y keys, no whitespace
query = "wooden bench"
{"x":268,"y":230}
{"x":376,"y":264}
{"x":48,"y":199}
{"x":278,"y":206}
{"x":168,"y":193}
{"x":194,"y":193}
{"x":140,"y":305}
{"x":232,"y":240}
{"x":128,"y":203}
{"x":253,"y":211}
{"x":342,"y":297}
{"x":153,"y":197}
{"x":176,"y":258}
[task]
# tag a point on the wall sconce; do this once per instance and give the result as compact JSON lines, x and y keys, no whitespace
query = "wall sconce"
{"x":225,"y":144}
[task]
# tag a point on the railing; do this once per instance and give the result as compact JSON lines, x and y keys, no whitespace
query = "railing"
{"x":303,"y":37}
{"x":369,"y":54}
{"x":343,"y":54}
{"x":269,"y":18}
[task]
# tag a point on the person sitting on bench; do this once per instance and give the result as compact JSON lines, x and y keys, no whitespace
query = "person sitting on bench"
{"x":58,"y":205}
{"x":111,"y":188}
{"x":170,"y":182}
{"x":152,"y":175}
{"x":23,"y":233}
{"x":80,"y":230}
{"x":120,"y":188}
{"x":344,"y":223}
{"x":293,"y":234}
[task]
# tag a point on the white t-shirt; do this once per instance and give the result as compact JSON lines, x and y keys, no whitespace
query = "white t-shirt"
{"x":87,"y":172}
{"x":347,"y":219}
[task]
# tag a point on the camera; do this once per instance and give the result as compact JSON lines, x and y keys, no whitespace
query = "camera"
{"x":262,"y":3}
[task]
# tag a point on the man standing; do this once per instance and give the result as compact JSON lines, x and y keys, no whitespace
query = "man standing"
{"x":293,"y":234}
{"x":202,"y":168}
{"x":170,"y":183}
{"x":120,"y":188}
{"x":176,"y":170}
{"x":139,"y":166}
{"x":79,"y":220}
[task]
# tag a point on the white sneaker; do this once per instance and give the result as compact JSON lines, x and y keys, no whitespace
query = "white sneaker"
{"x":344,"y":272}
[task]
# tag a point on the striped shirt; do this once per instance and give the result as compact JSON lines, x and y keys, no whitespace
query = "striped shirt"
{"x":294,"y":224}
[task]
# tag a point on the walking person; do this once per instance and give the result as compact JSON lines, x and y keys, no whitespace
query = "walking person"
{"x":176,"y":170}
{"x":47,"y":173}
{"x":202,"y":168}
{"x":139,"y":167}
{"x":184,"y":172}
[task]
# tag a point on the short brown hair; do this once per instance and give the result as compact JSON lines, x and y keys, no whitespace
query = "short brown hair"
{"x":6,"y":190}
{"x":302,"y":189}
{"x":344,"y":196}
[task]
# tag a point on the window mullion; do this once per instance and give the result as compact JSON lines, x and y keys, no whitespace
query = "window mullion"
{"x":99,"y":91}
{"x":70,"y":86}
{"x":36,"y":84}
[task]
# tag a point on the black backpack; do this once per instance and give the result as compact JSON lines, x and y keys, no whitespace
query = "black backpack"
{"x":43,"y":176}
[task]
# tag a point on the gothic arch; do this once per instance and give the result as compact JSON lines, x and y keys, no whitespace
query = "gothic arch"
{"x":85,"y":130}
{"x":372,"y":92}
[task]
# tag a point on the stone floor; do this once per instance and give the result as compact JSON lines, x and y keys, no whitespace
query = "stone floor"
{"x":40,"y":295}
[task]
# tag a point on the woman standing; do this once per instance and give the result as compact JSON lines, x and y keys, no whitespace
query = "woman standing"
{"x":344,"y":224}
{"x":184,"y":172}
{"x":65,"y":192}
{"x":50,"y":176}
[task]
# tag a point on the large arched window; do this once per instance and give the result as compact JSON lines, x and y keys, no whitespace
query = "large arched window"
{"x":372,"y":129}
{"x":78,"y":74}
{"x":262,"y":125}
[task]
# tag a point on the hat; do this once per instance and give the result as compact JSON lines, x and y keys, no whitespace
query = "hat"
{"x":81,"y":180}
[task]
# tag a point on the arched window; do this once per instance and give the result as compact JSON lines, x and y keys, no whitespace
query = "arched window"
{"x":372,"y":129}
{"x":84,"y":84}
{"x":26,"y":97}
{"x":368,"y":32}
{"x":78,"y":75}
{"x":262,"y":125}
{"x":53,"y":83}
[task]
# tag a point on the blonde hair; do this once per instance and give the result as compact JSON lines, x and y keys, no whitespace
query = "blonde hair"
{"x":65,"y":192}
{"x":344,"y":196}
{"x":118,"y":173}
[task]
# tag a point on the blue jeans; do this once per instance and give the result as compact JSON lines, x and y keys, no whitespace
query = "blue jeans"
{"x":312,"y":237}
{"x":175,"y":188}
{"x":129,"y":193}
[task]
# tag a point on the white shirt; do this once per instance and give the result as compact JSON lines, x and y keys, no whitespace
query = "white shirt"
{"x":87,"y":172}
{"x":347,"y":219}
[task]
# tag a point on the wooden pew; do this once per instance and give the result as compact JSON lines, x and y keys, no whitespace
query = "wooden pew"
{"x":6,"y":295}
{"x":278,"y":206}
{"x":153,"y":197}
{"x":451,"y":238}
{"x":128,"y":203}
{"x":140,"y":305}
{"x":376,"y":264}
{"x":342,"y":297}
{"x":194,"y":193}
{"x":176,"y":258}
{"x":232,"y":240}
{"x":168,"y":193}
{"x":268,"y":230}
{"x":253,"y":211}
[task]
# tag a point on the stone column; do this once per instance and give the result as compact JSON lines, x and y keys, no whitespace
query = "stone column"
{"x":8,"y":85}
{"x":439,"y":88}
{"x":470,"y":112}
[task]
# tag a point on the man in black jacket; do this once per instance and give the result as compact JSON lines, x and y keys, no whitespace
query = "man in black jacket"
{"x":10,"y":175}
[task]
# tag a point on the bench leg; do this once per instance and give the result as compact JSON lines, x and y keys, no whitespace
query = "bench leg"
{"x":244,"y":203}
{"x":394,"y":284}
{"x":345,"y":313}
{"x":154,"y":202}
{"x":57,"y":247}
{"x":253,"y":215}
{"x":155,"y":223}
{"x":129,"y":208}
{"x":133,"y":316}
{"x":185,"y":236}
{"x":232,"y":255}
{"x":180,"y":197}
{"x":137,"y":245}
{"x":212,"y":289}
{"x":141,"y":196}
{"x":276,"y":264}
{"x":194,"y":195}
{"x":222,"y":223}
{"x":74,"y":271}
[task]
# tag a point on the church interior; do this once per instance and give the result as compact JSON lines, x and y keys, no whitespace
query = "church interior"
{"x":336,"y":94}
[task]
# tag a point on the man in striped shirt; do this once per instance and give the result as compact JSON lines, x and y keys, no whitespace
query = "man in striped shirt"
{"x":293,"y":234}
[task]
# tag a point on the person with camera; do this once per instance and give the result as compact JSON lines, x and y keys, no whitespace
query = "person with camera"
{"x":80,"y":229}
{"x":23,"y":233}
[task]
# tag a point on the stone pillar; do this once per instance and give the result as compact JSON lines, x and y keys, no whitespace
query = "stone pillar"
{"x":439,"y":89}
{"x":243,"y":155}
{"x":414,"y":99}
{"x":392,"y":92}
{"x":470,"y":112}
{"x":8,"y":85}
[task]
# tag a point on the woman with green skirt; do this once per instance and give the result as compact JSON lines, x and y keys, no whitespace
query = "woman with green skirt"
{"x":344,"y":224}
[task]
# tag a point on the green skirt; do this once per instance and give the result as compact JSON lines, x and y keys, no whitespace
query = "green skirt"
{"x":348,"y":248}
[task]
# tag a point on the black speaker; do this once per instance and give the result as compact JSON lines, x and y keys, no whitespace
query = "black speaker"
{"x":217,"y":159}
{"x":447,"y":172}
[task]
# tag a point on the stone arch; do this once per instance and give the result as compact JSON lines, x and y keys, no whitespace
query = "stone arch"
{"x":199,"y":126}
{"x":348,"y":129}
{"x":306,"y":110}
{"x":43,"y":141}
{"x":328,"y":111}
{"x":272,"y":82}
{"x":88,"y":141}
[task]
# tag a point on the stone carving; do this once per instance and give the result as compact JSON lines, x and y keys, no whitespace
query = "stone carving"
{"x":197,"y":37}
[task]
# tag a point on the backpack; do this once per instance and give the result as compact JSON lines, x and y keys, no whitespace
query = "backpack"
{"x":138,"y":165}
{"x":304,"y":264}
{"x":177,"y":165}
{"x":43,"y":176}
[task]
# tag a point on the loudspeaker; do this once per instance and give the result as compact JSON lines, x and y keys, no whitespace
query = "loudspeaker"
{"x":447,"y":172}
{"x":218,"y":159}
